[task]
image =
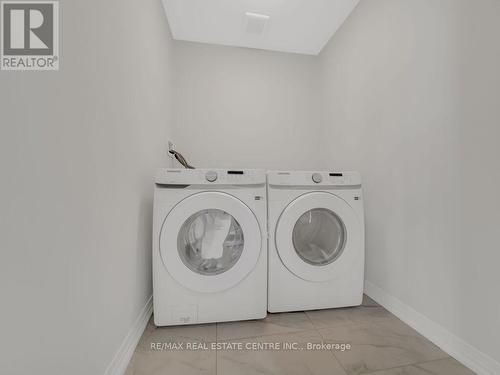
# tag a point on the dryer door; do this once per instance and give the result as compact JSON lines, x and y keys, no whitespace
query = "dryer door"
{"x":210,"y":241}
{"x":317,"y":234}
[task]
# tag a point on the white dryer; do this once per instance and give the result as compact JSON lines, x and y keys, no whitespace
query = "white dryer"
{"x":316,"y":240}
{"x":209,"y":246}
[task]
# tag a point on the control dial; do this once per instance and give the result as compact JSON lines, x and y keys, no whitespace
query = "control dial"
{"x":317,"y":177}
{"x":211,"y":176}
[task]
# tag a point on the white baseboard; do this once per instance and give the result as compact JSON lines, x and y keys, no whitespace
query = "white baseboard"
{"x":123,"y":355}
{"x":463,"y":352}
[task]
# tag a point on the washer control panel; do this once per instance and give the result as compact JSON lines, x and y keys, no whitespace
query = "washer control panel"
{"x":210,"y":177}
{"x":313,"y":178}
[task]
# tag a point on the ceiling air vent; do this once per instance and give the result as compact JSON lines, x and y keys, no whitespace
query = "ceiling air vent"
{"x":255,"y":23}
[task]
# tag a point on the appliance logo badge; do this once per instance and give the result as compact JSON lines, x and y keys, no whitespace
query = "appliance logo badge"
{"x":29,"y":35}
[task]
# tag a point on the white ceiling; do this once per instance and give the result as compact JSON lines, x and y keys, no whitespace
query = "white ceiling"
{"x":299,"y":26}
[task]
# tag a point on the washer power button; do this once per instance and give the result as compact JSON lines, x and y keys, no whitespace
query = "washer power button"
{"x":211,"y":176}
{"x":317,"y":177}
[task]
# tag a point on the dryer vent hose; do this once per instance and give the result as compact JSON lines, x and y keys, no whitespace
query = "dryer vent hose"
{"x":181,"y":159}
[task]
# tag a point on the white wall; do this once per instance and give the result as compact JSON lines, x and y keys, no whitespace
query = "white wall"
{"x":411,"y":98}
{"x":78,"y":150}
{"x":239,"y":107}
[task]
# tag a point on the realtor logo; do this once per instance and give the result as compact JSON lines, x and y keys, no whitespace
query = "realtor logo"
{"x":29,"y":35}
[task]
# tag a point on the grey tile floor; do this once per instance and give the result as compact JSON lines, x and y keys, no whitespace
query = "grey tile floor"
{"x":380,"y":344}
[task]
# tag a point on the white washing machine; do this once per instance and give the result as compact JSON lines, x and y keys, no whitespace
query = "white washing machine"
{"x":316,"y":240}
{"x":209,"y":246}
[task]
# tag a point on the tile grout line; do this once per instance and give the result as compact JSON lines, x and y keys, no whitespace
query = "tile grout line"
{"x":322,"y":340}
{"x":411,"y":364}
{"x":216,"y":349}
{"x":270,"y":334}
{"x":332,"y":352}
{"x":310,"y":320}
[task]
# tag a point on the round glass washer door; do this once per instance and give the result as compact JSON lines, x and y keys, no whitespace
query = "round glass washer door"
{"x":319,"y":236}
{"x":210,"y":241}
{"x":315,"y":234}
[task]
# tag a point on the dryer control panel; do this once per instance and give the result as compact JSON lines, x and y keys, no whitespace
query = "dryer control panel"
{"x":314,"y":178}
{"x":210,"y":176}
